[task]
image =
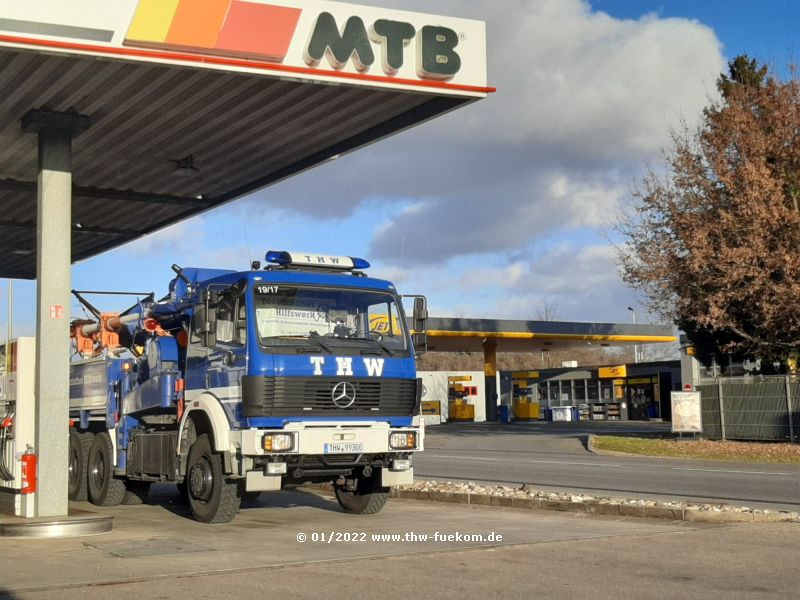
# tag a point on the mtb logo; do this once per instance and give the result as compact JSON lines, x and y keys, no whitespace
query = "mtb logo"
{"x":263,"y":32}
{"x":436,"y":55}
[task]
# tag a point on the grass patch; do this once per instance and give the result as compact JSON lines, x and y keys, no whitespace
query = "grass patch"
{"x":703,"y":449}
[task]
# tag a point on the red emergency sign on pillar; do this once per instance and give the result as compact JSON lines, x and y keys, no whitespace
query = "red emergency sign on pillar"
{"x":56,"y":311}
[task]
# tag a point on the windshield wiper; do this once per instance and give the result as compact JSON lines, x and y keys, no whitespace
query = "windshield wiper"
{"x":377,"y":342}
{"x":313,"y":338}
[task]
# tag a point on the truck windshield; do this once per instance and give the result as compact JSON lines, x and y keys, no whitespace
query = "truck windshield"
{"x":337,"y":321}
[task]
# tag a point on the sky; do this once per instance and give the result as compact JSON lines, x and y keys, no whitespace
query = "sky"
{"x":501,"y":209}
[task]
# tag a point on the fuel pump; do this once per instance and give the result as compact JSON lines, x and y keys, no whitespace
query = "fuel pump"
{"x":18,"y":460}
{"x":526,"y":408}
{"x":459,"y":408}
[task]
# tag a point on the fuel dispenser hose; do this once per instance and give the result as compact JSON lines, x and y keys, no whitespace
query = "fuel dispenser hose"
{"x":5,"y":438}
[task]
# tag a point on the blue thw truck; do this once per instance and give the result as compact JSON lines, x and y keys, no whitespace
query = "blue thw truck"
{"x":237,"y":383}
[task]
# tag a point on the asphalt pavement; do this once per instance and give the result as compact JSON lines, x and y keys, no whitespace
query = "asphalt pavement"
{"x":300,"y":545}
{"x":554,"y":456}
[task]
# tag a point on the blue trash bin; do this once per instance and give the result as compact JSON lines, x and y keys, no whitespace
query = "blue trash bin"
{"x":503,"y":414}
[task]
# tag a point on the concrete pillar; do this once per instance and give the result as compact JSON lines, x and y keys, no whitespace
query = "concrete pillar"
{"x":690,"y":370}
{"x":53,"y":263}
{"x":490,"y":374}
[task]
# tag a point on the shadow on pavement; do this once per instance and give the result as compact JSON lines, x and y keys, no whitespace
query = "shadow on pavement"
{"x":167,"y":496}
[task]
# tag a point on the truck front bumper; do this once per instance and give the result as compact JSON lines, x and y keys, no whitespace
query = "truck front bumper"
{"x":329,"y":448}
{"x":328,"y":439}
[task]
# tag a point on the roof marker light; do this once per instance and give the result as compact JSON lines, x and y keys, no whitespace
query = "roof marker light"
{"x":315,"y":261}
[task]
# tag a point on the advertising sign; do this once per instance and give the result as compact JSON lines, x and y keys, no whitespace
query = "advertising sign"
{"x":687,"y":412}
{"x":305,"y":39}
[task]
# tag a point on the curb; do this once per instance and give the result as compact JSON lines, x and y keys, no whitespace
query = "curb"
{"x":700,"y":514}
{"x":599,"y":507}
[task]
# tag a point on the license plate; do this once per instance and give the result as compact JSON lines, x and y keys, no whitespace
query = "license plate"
{"x":344,"y":448}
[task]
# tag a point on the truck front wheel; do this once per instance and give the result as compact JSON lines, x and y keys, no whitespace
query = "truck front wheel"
{"x":212,"y":498}
{"x":104,"y":488}
{"x":364,"y":497}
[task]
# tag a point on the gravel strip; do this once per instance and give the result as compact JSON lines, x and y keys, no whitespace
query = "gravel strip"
{"x":528,"y":497}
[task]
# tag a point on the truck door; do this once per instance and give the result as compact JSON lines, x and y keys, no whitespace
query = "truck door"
{"x":216,"y":358}
{"x":227,"y":358}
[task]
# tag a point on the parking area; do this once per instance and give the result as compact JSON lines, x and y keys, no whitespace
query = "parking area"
{"x":156,"y":550}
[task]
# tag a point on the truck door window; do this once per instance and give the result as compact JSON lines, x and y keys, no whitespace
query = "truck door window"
{"x":231,"y":321}
{"x":241,"y":323}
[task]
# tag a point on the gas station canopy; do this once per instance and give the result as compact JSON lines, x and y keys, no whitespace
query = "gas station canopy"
{"x":193,"y":103}
{"x":471,"y":335}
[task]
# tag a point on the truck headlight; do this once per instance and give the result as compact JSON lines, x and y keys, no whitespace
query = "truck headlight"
{"x":403,"y":440}
{"x":278,"y":442}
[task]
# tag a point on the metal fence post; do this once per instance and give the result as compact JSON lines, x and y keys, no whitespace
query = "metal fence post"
{"x":721,"y":409}
{"x":789,"y":409}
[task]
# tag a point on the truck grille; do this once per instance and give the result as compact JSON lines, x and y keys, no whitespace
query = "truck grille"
{"x":313,"y":396}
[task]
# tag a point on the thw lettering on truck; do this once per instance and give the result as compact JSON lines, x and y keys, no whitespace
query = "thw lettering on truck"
{"x":344,"y":366}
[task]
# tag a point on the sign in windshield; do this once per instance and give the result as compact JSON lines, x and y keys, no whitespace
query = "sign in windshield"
{"x":330,"y":318}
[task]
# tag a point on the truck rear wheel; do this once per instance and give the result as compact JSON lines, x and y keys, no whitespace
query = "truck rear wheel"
{"x":79,"y":446}
{"x":104,"y":488}
{"x":136,"y":492}
{"x":367,"y":498}
{"x":212,"y":497}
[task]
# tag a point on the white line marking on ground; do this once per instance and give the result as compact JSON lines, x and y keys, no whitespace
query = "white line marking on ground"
{"x":521,"y":462}
{"x":731,"y":471}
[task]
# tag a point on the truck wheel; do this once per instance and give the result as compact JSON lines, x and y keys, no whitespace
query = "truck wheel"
{"x":367,"y":498}
{"x":104,"y":488}
{"x":250,"y":497}
{"x":183,"y":490}
{"x":136,"y":492}
{"x":212,"y":498}
{"x":79,"y":445}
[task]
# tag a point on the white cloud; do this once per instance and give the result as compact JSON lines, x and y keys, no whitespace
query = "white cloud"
{"x":583,"y":101}
{"x":578,"y":282}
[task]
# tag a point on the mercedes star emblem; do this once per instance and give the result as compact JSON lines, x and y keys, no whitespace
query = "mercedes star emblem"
{"x":344,"y":394}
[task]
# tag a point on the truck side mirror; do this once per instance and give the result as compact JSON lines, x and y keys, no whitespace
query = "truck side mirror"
{"x":208,"y":320}
{"x":420,"y":314}
{"x":420,"y":336}
{"x":420,"y":342}
{"x":239,"y":288}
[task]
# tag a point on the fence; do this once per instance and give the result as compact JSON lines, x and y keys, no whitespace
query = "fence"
{"x":751,"y":408}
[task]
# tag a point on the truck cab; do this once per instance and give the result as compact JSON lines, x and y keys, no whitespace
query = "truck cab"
{"x":300,"y":372}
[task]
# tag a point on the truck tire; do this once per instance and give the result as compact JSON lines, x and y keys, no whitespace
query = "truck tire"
{"x":367,"y":499}
{"x":79,"y":445}
{"x":250,"y":497}
{"x":104,"y":488}
{"x":136,"y":492}
{"x":212,"y":497}
{"x":183,"y":490}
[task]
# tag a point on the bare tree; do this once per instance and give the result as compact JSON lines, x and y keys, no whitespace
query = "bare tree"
{"x":714,"y":242}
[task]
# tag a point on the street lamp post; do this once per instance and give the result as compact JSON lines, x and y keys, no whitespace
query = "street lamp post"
{"x":635,"y":346}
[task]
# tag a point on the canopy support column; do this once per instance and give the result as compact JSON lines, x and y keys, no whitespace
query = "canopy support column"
{"x":53,"y":263}
{"x":490,"y":373}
